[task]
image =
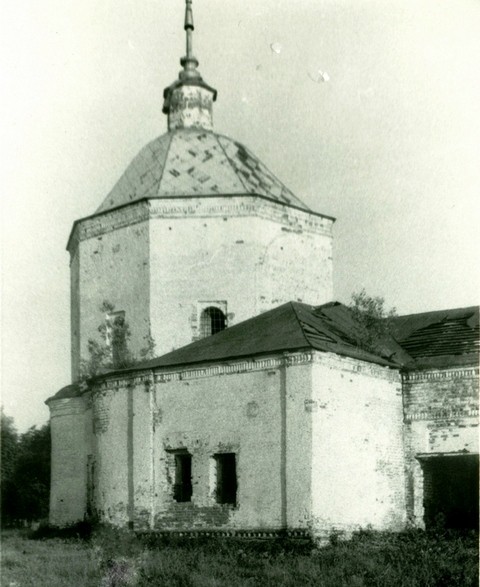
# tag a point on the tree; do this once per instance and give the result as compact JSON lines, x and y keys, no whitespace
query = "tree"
{"x":112,"y":351}
{"x":374,"y":322}
{"x":9,"y":450}
{"x":25,"y":472}
{"x":32,"y":473}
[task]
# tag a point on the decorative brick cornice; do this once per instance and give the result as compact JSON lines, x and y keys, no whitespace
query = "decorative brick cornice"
{"x":441,"y":414}
{"x":293,"y":219}
{"x":436,"y":374}
{"x":109,"y":221}
{"x":167,"y":374}
{"x":164,"y":375}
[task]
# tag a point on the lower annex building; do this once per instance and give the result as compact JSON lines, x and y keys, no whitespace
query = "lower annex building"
{"x":262,"y":414}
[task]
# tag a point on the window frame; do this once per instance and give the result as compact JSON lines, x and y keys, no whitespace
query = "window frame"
{"x":181,"y":477}
{"x":224,"y":478}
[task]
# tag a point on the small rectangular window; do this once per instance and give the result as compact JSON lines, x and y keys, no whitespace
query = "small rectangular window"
{"x":226,"y":478}
{"x":182,"y":488}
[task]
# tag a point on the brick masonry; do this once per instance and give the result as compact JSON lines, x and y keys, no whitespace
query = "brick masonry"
{"x":159,"y":260}
{"x":291,"y":419}
{"x":441,"y":417}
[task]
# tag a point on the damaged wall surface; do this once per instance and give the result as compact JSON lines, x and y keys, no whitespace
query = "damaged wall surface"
{"x":263,"y":410}
{"x":288,"y":421}
{"x":162,"y":261}
{"x":441,"y":418}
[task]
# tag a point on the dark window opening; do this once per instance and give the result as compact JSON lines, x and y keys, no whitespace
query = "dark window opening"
{"x":450,"y":489}
{"x":212,"y":321}
{"x":182,"y":488}
{"x":226,"y":477}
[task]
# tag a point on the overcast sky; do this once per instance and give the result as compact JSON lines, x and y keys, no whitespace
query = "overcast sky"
{"x":389,"y":145}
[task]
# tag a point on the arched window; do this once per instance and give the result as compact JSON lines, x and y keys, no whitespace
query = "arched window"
{"x":212,"y":320}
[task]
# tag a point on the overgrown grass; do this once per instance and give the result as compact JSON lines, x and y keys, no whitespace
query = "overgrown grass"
{"x":111,"y":558}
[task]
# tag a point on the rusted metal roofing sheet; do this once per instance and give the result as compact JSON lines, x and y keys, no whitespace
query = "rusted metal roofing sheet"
{"x":444,"y":338}
{"x":193,"y":162}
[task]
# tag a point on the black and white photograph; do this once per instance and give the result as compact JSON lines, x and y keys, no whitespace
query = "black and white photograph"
{"x":240,"y":293}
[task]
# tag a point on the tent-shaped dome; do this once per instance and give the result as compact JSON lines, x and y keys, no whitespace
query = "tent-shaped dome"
{"x":195,"y":162}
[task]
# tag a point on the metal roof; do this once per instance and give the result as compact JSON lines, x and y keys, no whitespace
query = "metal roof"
{"x":444,"y":338}
{"x":427,"y":340}
{"x":289,"y":327}
{"x":196,"y":162}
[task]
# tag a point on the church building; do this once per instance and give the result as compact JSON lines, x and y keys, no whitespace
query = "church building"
{"x":261,"y":414}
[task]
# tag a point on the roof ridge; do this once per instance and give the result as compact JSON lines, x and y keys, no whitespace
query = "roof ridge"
{"x":293,"y":304}
{"x":165,"y":161}
{"x":276,"y":178}
{"x":232,"y":166}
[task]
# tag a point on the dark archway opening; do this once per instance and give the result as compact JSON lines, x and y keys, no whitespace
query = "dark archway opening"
{"x":450,"y":491}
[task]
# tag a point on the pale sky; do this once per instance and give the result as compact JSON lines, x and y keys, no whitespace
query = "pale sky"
{"x":389,"y":145}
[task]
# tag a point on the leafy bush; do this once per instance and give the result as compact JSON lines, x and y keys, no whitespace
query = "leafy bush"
{"x":374,"y":322}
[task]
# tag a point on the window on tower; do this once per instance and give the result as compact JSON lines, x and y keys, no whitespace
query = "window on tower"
{"x":212,"y":320}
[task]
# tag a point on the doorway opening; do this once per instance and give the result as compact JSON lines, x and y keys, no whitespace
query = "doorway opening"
{"x":450,"y":490}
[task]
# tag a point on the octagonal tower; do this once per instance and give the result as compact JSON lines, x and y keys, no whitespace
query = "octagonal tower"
{"x":196,"y":235}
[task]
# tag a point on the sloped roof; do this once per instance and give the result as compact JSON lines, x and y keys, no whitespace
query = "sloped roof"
{"x":72,"y":390}
{"x":196,"y":162}
{"x":289,"y":327}
{"x":444,"y":338}
{"x":430,"y":339}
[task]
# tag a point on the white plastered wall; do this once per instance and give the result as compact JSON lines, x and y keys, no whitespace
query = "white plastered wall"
{"x":70,"y":420}
{"x":358,"y":475}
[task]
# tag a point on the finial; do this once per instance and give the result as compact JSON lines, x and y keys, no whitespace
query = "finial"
{"x":188,"y":101}
{"x":189,"y":63}
{"x":189,"y":26}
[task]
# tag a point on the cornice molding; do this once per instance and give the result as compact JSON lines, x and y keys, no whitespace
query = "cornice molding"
{"x":293,"y":219}
{"x":437,"y":374}
{"x":441,"y":414}
{"x":164,"y":375}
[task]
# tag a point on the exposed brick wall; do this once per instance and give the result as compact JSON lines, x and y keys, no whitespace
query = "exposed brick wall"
{"x":441,"y":416}
{"x":438,"y":394}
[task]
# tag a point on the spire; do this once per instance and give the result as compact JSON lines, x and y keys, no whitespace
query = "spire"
{"x":189,"y":62}
{"x":188,"y":101}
